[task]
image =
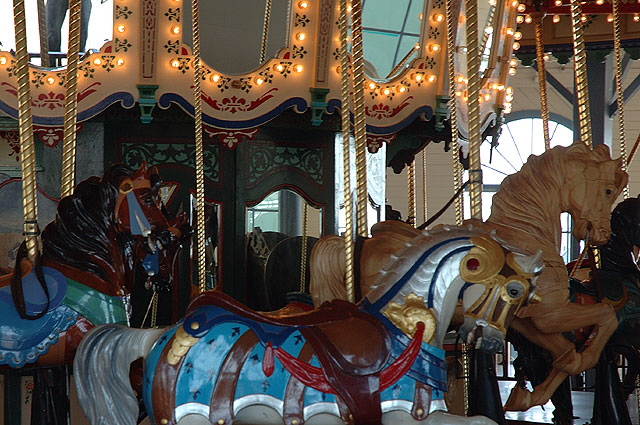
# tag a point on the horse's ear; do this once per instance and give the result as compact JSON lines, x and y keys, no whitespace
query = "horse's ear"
{"x":622,"y":178}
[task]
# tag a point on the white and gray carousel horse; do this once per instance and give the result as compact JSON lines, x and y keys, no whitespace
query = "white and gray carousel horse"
{"x":381,"y":361}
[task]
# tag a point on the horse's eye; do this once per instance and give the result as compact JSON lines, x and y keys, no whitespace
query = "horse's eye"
{"x":609,"y":192}
{"x":515,"y":289}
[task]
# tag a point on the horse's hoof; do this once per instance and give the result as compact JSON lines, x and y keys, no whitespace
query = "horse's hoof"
{"x":570,"y":362}
{"x":519,"y":400}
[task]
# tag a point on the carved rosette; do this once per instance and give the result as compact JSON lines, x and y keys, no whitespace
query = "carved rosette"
{"x":375,"y":141}
{"x":230,"y":138}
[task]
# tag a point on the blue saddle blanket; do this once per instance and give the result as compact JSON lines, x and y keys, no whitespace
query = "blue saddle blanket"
{"x":23,"y":340}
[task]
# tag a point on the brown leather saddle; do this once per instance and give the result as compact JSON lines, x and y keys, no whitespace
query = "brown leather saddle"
{"x":352,"y":347}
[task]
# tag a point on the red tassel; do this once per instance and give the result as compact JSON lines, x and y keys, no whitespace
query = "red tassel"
{"x":267,"y":361}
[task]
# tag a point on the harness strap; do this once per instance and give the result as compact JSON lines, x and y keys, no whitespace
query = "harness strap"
{"x":17,"y":291}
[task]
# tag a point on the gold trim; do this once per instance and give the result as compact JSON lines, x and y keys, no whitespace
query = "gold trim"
{"x":180,"y":346}
{"x":407,"y":316}
{"x":490,"y":257}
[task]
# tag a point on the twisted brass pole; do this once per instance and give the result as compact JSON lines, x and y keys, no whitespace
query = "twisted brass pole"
{"x":303,"y":251}
{"x":617,"y":49}
{"x":42,"y":29}
{"x":580,"y":70}
{"x":424,"y":184}
{"x":199,"y":145}
{"x":473,"y":71}
{"x":359,"y":120}
{"x":71,"y":101}
{"x":345,"y":90}
{"x":27,"y":150}
{"x":453,"y":118}
{"x":542,"y":77}
{"x":265,"y":31}
{"x":411,"y":192}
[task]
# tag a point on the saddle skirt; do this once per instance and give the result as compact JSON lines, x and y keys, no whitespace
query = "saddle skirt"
{"x":22,"y":341}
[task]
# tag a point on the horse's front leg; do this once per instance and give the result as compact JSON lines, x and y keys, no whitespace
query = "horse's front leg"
{"x":544,"y":329}
{"x":567,"y":317}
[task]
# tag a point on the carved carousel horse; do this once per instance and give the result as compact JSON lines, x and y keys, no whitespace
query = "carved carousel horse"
{"x":85,"y":272}
{"x":526,"y":213}
{"x":380,"y":361}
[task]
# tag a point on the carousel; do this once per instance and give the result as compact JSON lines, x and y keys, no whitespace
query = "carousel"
{"x":211,"y":227}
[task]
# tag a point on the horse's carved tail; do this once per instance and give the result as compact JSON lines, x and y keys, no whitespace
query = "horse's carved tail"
{"x":326,"y":270}
{"x":101,"y":372}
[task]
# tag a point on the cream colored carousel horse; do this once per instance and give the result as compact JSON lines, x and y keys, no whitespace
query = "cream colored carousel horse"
{"x":525,"y":213}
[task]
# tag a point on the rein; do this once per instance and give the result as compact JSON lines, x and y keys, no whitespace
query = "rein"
{"x":580,"y":259}
{"x":443,"y":209}
{"x":17,"y":292}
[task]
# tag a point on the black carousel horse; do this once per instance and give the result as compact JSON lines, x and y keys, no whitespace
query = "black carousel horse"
{"x":102,"y":233}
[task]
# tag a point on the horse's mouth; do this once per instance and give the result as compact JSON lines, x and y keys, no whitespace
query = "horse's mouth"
{"x":584,"y":230}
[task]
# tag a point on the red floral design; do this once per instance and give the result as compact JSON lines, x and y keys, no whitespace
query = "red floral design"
{"x":375,"y":141}
{"x":230,"y":138}
{"x":49,"y":100}
{"x":381,"y":110}
{"x":235,"y":104}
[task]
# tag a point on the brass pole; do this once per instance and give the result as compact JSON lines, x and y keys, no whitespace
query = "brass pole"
{"x":265,"y":31}
{"x":453,"y":118}
{"x":303,"y":250}
{"x":345,"y":90}
{"x":27,"y":149}
{"x":617,"y":49}
{"x":197,"y":117}
{"x":44,"y":37}
{"x":542,"y":78}
{"x":580,"y":70}
{"x":71,"y":101}
{"x":411,"y":192}
{"x":359,"y":120}
{"x":424,"y":184}
{"x":473,"y":70}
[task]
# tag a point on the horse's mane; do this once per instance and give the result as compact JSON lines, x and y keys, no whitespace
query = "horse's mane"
{"x":83,"y":232}
{"x":625,"y":233}
{"x":531,"y":199}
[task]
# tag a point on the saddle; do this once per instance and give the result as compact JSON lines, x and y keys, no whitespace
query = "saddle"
{"x":356,"y":342}
{"x":352,"y":347}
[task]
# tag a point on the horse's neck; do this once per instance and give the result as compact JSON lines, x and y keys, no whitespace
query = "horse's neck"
{"x":531,"y":208}
{"x":108,"y":275}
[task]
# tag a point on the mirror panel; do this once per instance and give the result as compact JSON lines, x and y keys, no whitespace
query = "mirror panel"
{"x":390,"y":31}
{"x":234,"y":29}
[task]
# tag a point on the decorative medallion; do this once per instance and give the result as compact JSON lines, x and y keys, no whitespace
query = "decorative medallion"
{"x":407,"y":316}
{"x":230,"y":138}
{"x":375,"y":141}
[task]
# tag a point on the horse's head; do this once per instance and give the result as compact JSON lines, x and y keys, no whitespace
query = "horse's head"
{"x":594,"y":182}
{"x":501,"y":282}
{"x":139,"y":211}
